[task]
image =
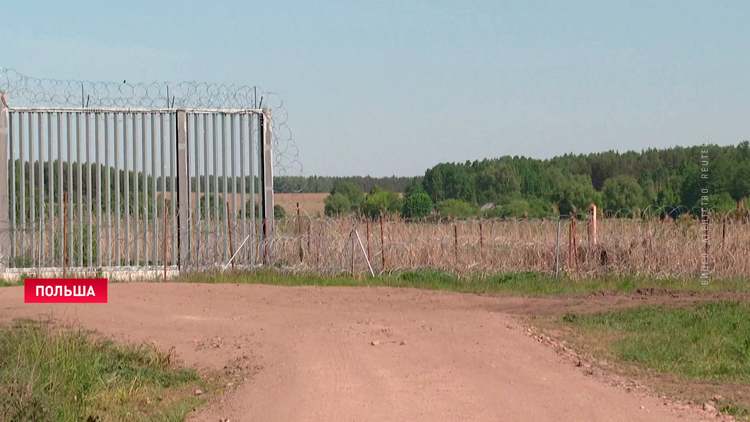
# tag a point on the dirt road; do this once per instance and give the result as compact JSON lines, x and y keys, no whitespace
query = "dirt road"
{"x":356,"y":354}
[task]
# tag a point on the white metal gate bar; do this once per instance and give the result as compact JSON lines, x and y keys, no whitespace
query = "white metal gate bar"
{"x":93,"y":188}
{"x":56,"y":188}
{"x":223,"y":149}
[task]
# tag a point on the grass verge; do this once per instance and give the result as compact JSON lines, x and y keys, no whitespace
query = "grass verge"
{"x":48,"y":373}
{"x":697,"y":351}
{"x":525,"y":283}
{"x":522,"y":283}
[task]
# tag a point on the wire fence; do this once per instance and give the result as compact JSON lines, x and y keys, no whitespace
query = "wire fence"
{"x":636,"y":246}
{"x":644,"y":244}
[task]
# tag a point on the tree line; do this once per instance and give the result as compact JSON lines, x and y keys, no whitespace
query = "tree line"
{"x":673,"y":180}
{"x":673,"y":177}
{"x":325,"y":184}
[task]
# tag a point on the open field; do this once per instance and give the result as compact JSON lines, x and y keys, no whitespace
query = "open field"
{"x":311,"y":204}
{"x":382,"y":353}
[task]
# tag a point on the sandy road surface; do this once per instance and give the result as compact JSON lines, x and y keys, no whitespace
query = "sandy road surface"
{"x":439,"y":356}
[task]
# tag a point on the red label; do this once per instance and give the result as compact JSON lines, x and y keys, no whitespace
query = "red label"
{"x":65,"y":290}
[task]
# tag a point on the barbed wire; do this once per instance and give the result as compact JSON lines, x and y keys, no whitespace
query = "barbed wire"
{"x":29,"y":91}
{"x":663,"y":247}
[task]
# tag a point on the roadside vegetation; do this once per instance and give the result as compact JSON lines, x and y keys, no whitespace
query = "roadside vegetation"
{"x":698,"y":352}
{"x":523,"y":283}
{"x":53,"y":373}
{"x":708,"y":342}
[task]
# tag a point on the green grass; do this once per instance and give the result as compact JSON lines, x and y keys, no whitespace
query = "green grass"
{"x":526,"y":283}
{"x":706,"y":345}
{"x":523,"y":283}
{"x":707,"y":342}
{"x":48,"y":373}
{"x":734,"y":410}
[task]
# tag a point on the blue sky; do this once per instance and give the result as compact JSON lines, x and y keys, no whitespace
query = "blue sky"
{"x":395,"y":87}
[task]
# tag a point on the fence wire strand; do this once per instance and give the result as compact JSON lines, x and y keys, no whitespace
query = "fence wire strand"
{"x":635,"y":246}
{"x":29,"y":91}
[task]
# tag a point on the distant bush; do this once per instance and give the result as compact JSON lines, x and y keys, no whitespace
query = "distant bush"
{"x":514,"y":209}
{"x":416,"y":205}
{"x":721,"y":203}
{"x":455,"y":208}
{"x":381,"y":202}
{"x":352,"y":191}
{"x":336,"y":204}
{"x":278,"y":210}
{"x":520,"y":208}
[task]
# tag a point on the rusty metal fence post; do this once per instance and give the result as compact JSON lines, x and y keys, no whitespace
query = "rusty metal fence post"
{"x":382,"y":244}
{"x":557,"y":248}
{"x":369,"y":254}
{"x":592,"y":224}
{"x":481,"y":244}
{"x":455,"y":242}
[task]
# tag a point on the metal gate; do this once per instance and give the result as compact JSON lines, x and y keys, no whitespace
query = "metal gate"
{"x":121,"y":188}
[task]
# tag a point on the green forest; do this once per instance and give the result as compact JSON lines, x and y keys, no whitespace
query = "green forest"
{"x":614,"y":181}
{"x":668,"y":180}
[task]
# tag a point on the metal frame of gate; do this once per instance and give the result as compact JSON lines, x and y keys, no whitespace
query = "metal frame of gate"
{"x":122,"y":188}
